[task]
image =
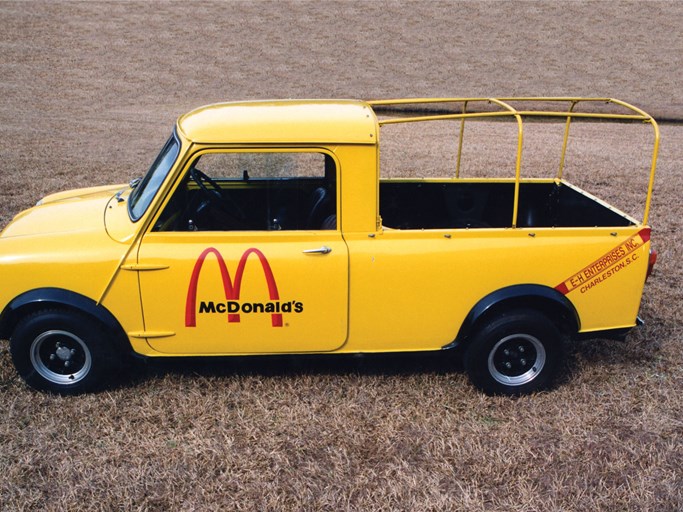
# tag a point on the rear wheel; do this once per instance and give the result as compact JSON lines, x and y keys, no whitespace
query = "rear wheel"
{"x":61,"y":351}
{"x":517,"y":353}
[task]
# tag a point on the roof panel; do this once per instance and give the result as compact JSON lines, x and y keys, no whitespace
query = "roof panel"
{"x":282,"y":121}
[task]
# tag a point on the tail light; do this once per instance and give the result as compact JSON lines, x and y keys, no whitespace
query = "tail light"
{"x":651,"y":262}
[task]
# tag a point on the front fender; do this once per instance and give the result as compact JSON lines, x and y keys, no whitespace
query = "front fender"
{"x":46,"y":298}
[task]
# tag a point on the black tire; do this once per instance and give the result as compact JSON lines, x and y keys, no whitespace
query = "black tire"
{"x":516,"y":353}
{"x":63,"y":352}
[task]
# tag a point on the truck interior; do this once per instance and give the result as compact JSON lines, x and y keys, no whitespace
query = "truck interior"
{"x":254,"y":192}
{"x":446,"y":205}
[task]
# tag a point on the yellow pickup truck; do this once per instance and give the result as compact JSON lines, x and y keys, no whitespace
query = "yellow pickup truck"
{"x":265,"y":228}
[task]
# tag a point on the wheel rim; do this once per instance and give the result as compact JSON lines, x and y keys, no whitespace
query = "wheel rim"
{"x":516,"y":359}
{"x":60,"y":357}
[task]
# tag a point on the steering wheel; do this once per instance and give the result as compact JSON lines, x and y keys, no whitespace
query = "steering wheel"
{"x":215,"y":194}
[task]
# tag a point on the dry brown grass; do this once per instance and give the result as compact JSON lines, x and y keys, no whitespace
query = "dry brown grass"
{"x":88,"y":93}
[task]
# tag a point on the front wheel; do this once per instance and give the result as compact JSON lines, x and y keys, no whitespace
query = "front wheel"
{"x":61,"y":351}
{"x":517,"y":353}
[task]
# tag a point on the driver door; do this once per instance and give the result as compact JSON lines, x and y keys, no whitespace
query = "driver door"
{"x":247,"y":257}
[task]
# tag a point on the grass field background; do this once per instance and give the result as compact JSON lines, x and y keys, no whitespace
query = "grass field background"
{"x":88,"y":93}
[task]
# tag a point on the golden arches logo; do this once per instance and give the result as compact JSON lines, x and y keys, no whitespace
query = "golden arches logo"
{"x":232,"y":289}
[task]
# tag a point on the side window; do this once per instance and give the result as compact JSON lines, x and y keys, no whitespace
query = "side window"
{"x":254,"y":191}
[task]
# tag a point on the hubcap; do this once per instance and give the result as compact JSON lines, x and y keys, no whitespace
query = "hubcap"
{"x":60,"y":357}
{"x":516,"y":359}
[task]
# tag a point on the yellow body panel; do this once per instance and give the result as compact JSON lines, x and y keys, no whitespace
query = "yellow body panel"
{"x":281,"y":122}
{"x":422,"y":285}
{"x":364,"y":288}
{"x":288,"y":300}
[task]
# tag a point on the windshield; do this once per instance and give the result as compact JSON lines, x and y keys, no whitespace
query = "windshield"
{"x":144,"y":192}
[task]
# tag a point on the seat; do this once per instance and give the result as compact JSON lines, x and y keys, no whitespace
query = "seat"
{"x":320,"y":208}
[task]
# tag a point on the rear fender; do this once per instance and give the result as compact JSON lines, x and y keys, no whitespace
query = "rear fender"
{"x":541,"y":298}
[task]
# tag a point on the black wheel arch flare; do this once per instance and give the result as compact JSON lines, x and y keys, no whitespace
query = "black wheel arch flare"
{"x":544,"y":299}
{"x":46,"y":298}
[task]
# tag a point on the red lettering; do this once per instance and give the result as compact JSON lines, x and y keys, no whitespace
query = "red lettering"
{"x":604,"y":267}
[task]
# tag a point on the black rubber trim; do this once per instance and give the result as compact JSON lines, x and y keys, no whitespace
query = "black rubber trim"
{"x":42,"y":298}
{"x":521,"y":295}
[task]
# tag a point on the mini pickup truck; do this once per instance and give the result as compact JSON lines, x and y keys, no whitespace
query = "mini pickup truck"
{"x":266,"y":228}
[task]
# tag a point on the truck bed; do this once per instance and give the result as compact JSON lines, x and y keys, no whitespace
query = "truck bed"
{"x":411,"y":204}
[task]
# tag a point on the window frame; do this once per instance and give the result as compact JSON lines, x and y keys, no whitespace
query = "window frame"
{"x":137,"y":194}
{"x":196,"y":155}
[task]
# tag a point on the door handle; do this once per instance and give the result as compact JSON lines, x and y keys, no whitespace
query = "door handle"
{"x":320,"y":250}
